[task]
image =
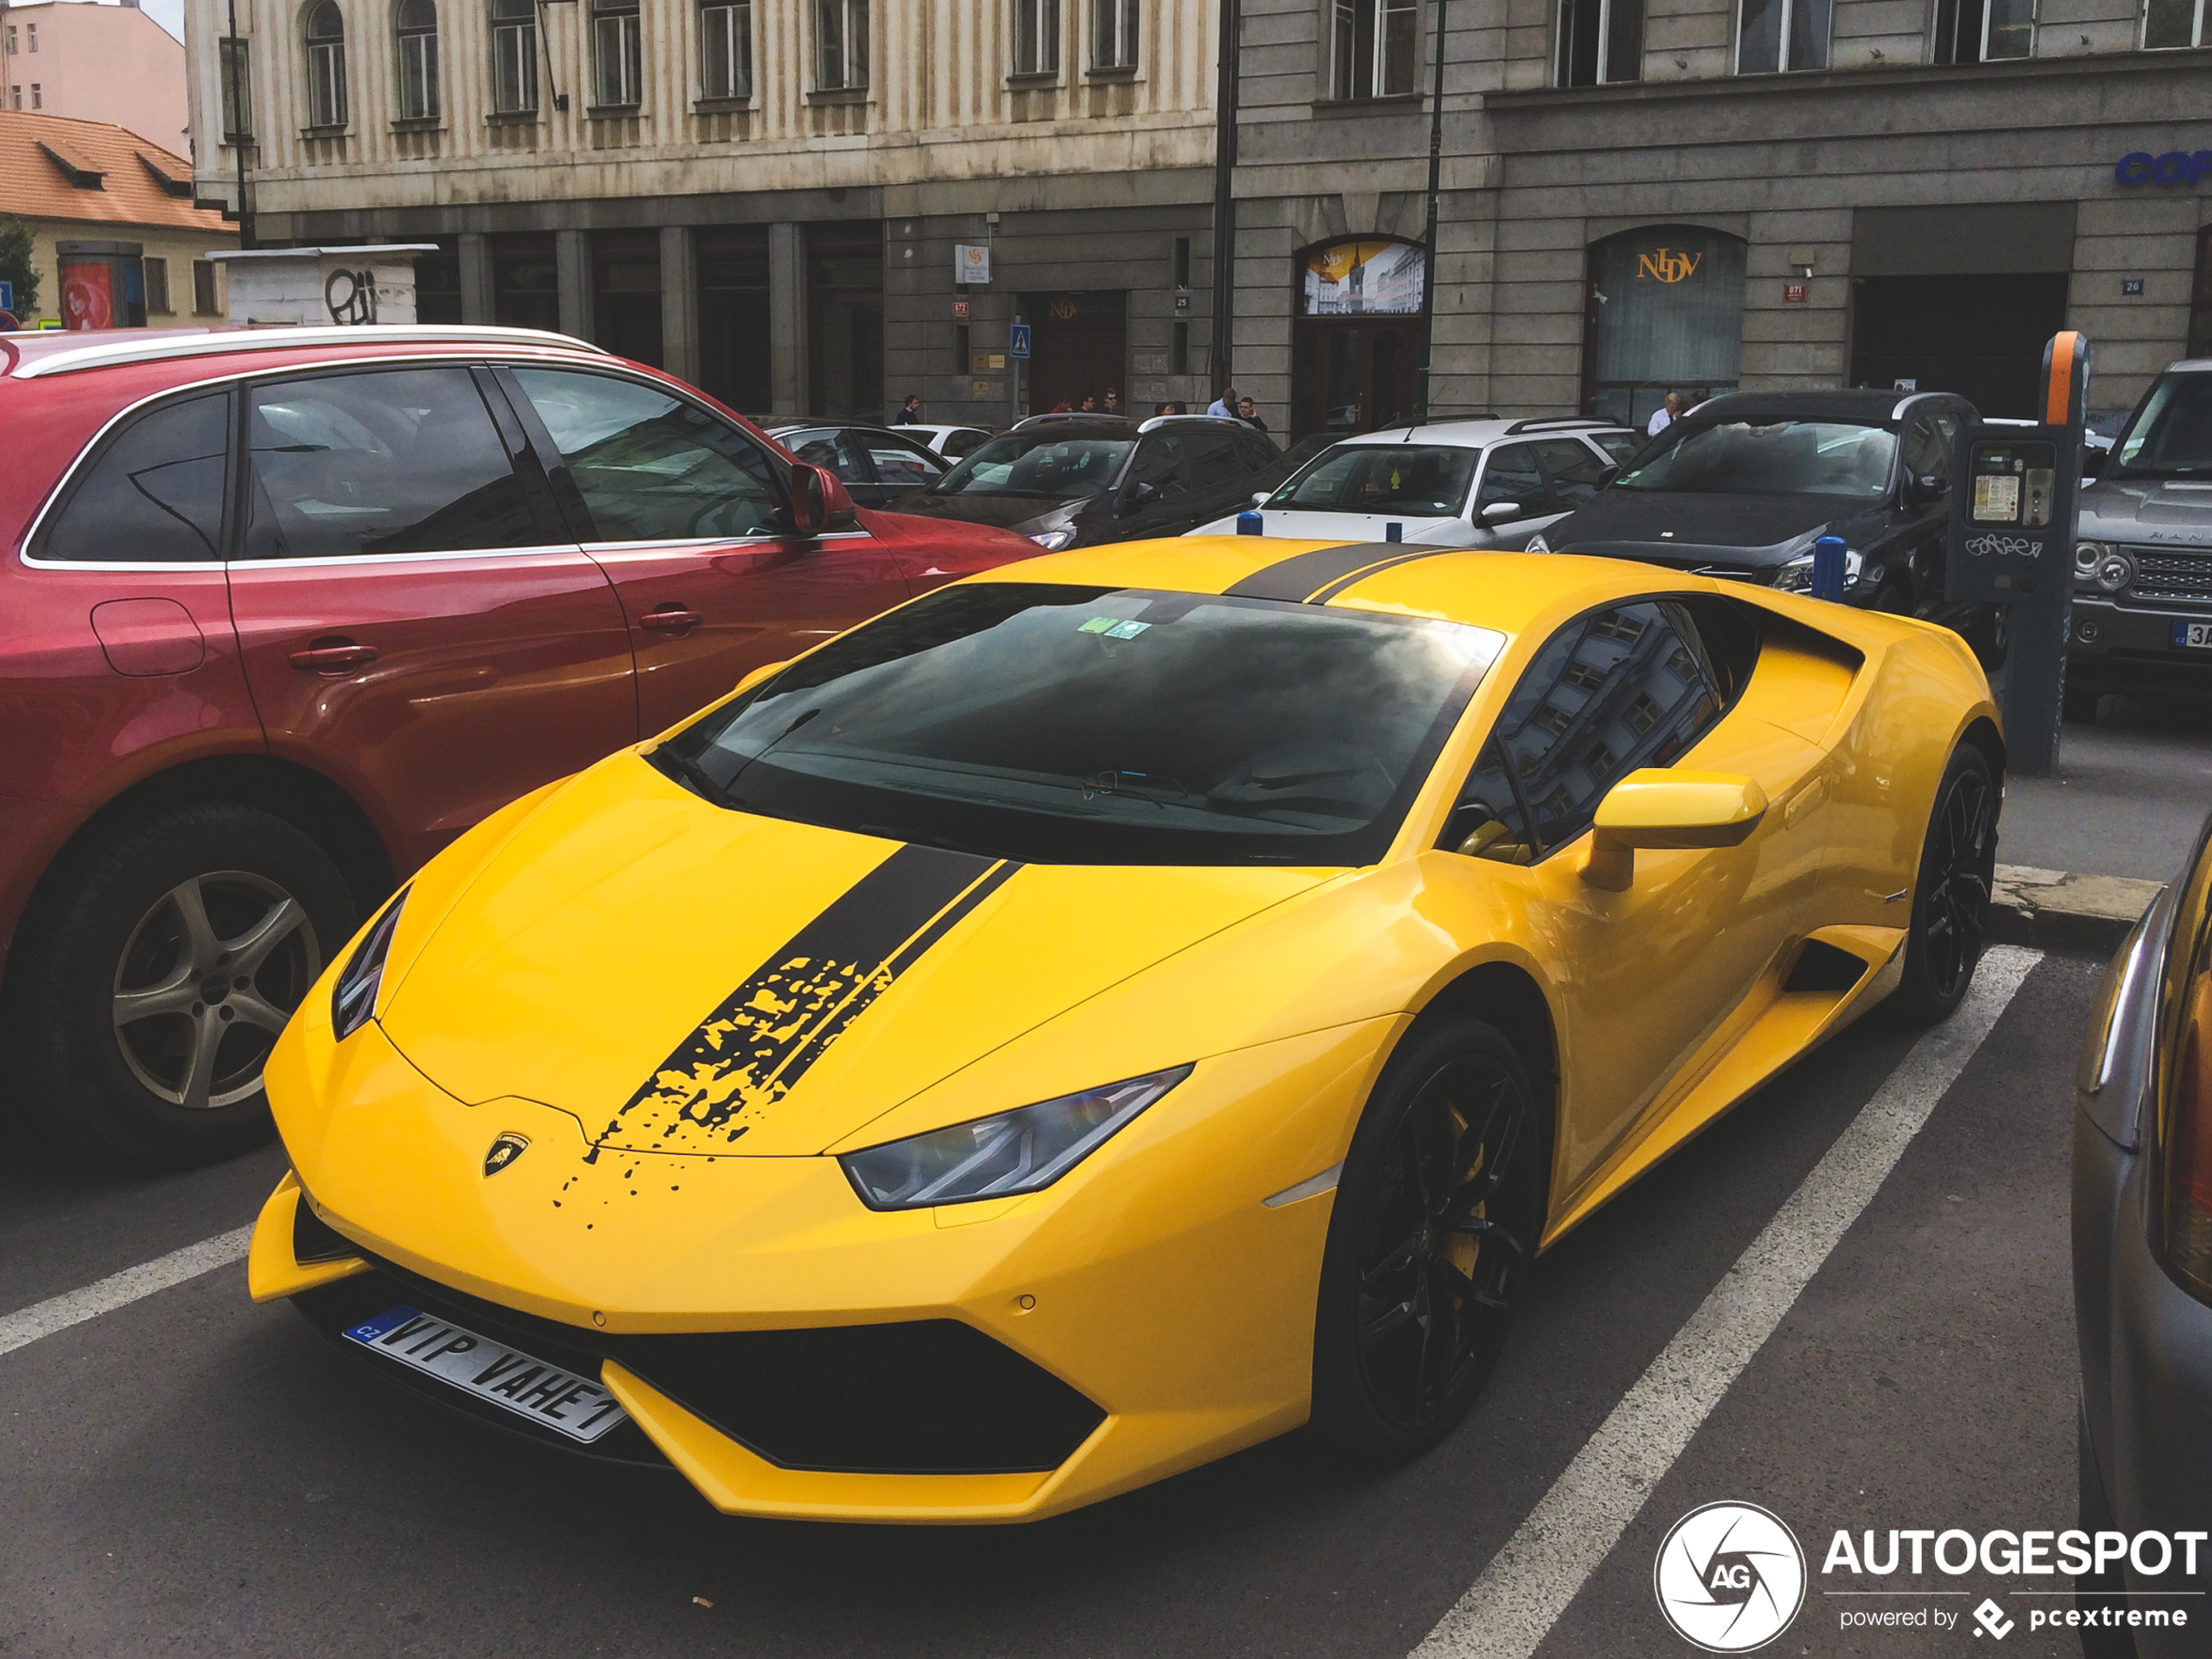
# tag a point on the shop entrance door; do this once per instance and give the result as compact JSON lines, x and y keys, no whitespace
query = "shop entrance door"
{"x":1353,"y":376}
{"x":1078,"y":346}
{"x":1979,"y":336}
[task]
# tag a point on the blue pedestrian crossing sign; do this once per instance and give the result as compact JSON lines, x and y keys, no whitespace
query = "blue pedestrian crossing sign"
{"x":7,"y":296}
{"x":1018,"y":344}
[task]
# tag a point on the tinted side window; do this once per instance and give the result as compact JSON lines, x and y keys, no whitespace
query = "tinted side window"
{"x":1488,"y":821}
{"x":651,"y":467}
{"x":154,"y":492}
{"x":1160,"y":463}
{"x":1513,"y":475}
{"x":1927,"y":446}
{"x":1215,"y":458}
{"x":898,"y":465}
{"x":1259,"y":454}
{"x":1619,"y":445}
{"x":1573,"y":469}
{"x":1619,"y":689}
{"x":390,"y":461}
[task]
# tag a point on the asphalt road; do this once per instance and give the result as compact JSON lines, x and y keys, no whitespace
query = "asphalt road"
{"x":193,"y":1474}
{"x":2131,"y":788}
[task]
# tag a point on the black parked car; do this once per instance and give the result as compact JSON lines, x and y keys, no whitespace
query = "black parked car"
{"x":1078,"y":480}
{"x":2142,"y":1275}
{"x":876,"y":464}
{"x":1743,"y":486}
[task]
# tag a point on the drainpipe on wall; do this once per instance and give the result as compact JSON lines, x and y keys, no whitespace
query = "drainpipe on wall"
{"x":1225,"y":202}
{"x":237,"y":101}
{"x":1428,"y":236}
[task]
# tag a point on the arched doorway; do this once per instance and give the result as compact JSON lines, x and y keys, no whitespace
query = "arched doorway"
{"x":1357,"y":355}
{"x":1663,"y":312}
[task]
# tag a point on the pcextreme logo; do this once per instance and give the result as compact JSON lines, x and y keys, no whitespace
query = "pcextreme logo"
{"x":1667,"y":267}
{"x":1729,"y":1577}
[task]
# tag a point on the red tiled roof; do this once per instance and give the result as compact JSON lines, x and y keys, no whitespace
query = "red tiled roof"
{"x":93,"y":171}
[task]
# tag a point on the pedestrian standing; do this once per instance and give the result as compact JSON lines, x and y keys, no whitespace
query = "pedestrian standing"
{"x":910,"y":412}
{"x":1088,"y":406}
{"x":1247,"y":412}
{"x":1224,"y":407}
{"x":1113,"y":400}
{"x":1665,"y":415}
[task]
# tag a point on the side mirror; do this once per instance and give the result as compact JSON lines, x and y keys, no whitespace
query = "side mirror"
{"x":1606,"y":475}
{"x":818,"y":503}
{"x":1667,"y":809}
{"x":1925,"y":491}
{"x":1500,"y":512}
{"x":1139,"y":495}
{"x":1259,"y":497}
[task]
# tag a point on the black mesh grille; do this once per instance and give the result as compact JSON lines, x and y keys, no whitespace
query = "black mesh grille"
{"x":2167,"y":573}
{"x":314,"y":1240}
{"x":919,"y":1397}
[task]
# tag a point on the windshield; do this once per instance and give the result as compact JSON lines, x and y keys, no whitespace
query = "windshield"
{"x":1099,"y":725}
{"x":2171,"y":437}
{"x":1417,"y":480}
{"x":1039,"y":464}
{"x":1777,"y":458}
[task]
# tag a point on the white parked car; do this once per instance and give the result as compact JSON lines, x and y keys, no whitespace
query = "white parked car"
{"x":951,"y":442}
{"x":1460,"y":484}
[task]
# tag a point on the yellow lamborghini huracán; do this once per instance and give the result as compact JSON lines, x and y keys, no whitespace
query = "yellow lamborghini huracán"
{"x":1112,"y":1010}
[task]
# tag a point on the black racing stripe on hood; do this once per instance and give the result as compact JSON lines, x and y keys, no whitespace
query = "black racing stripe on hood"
{"x":754,"y":1048}
{"x":1312,"y":578}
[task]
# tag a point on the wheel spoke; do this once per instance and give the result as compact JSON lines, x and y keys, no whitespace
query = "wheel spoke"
{"x":196,"y":1084}
{"x":1482,"y":1227}
{"x":1383,"y":1324}
{"x":251,"y":948}
{"x":200,"y":947}
{"x":252,"y":1008}
{"x":175,"y":995}
{"x":1393,"y":1263}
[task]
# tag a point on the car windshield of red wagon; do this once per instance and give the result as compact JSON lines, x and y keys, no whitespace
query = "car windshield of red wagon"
{"x":1068,"y":725}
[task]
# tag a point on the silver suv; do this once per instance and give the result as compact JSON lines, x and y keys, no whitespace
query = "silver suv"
{"x":2142,"y":565}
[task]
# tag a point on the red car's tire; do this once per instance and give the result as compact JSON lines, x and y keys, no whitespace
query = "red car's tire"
{"x":152,"y":974}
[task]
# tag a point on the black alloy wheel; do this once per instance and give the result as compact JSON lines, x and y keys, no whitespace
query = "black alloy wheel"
{"x":1951,"y":892}
{"x":1437,"y":1218}
{"x":163,"y":954}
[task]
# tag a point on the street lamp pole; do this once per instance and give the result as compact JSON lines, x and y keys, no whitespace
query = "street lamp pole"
{"x":1428,"y":236}
{"x":1225,"y":200}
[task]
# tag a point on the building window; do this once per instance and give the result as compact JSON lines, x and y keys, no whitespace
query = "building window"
{"x":234,"y":64}
{"x":2173,"y":23}
{"x":156,"y":275}
{"x":418,"y":41}
{"x":1036,"y":37}
{"x":1663,"y":313}
{"x":1776,"y":36}
{"x":1371,"y":48}
{"x":11,"y":40}
{"x":1979,"y":31}
{"x":14,"y":97}
{"x":1600,"y":41}
{"x":616,"y":59}
{"x":1113,"y":34}
{"x":725,"y":49}
{"x":33,"y":29}
{"x":203,"y":289}
{"x":37,"y":98}
{"x":514,"y":57}
{"x":841,"y":44}
{"x":325,"y":65}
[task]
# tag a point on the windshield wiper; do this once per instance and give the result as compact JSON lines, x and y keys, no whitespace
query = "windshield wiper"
{"x":689,"y":771}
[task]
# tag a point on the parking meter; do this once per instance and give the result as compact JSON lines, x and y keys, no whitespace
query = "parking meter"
{"x":2011,"y":544}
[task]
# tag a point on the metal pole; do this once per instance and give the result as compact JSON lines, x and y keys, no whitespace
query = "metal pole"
{"x":233,"y":84}
{"x":1225,"y":200}
{"x":1428,"y":235}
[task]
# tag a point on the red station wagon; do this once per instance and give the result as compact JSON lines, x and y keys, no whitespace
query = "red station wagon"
{"x":286,"y":610}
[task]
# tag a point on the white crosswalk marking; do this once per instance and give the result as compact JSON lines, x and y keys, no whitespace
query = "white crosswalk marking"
{"x":1530,"y":1582}
{"x":26,"y":1325}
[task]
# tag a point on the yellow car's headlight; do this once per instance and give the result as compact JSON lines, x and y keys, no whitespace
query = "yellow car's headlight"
{"x":999,"y":1156}
{"x":352,"y":999}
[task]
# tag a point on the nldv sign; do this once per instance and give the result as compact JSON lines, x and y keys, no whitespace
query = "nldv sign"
{"x":1668,"y":267}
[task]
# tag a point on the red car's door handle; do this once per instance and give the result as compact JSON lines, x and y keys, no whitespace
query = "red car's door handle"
{"x":325,"y":659}
{"x":672,"y":617}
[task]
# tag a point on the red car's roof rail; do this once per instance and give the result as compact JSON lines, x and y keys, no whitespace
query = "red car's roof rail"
{"x":137,"y":347}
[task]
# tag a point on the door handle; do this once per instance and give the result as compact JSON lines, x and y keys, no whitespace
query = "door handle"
{"x":671,"y":618}
{"x":330,"y":659}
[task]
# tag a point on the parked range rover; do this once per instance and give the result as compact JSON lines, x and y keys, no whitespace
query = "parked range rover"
{"x":1742,"y":487}
{"x":1079,"y":479}
{"x":2142,"y":566}
{"x":289,"y":609}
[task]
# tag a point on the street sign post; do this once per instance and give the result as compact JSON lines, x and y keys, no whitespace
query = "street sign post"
{"x":2011,"y":544}
{"x":7,"y":296}
{"x":1017,"y":352}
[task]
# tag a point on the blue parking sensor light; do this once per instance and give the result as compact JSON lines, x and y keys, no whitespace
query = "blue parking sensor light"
{"x":1249,"y":522}
{"x":1828,"y":567}
{"x":1393,"y":531}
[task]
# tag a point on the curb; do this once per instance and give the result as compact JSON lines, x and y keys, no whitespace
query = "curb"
{"x":2053,"y":910}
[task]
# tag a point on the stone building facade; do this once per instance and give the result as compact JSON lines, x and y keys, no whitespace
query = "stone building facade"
{"x":764,"y":196}
{"x":1647,"y":195}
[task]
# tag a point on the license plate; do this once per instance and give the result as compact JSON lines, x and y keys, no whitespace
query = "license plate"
{"x":566,"y":1403}
{"x":2197,"y":635}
